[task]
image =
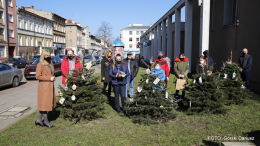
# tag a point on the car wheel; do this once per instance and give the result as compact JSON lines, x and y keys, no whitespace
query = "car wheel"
{"x":16,"y":82}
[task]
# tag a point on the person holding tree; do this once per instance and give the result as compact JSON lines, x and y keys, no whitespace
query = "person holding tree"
{"x":157,"y":70}
{"x":245,"y":63}
{"x":119,"y":73}
{"x":46,"y":95}
{"x":181,"y":69}
{"x":133,"y":69}
{"x":200,"y":68}
{"x":69,"y":63}
{"x":105,"y":67}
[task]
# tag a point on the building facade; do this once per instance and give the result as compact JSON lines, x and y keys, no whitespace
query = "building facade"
{"x":74,"y":37}
{"x":95,"y":44}
{"x":87,"y":39}
{"x":34,"y":33}
{"x":215,"y":25}
{"x":8,"y":46}
{"x":59,"y":30}
{"x":130,"y":36}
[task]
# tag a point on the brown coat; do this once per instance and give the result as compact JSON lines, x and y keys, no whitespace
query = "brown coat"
{"x":46,"y":95}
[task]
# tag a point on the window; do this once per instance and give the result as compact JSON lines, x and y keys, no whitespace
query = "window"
{"x":25,"y":24}
{"x":26,"y":41}
{"x":47,"y":43}
{"x":39,"y":28}
{"x":31,"y":42}
{"x":137,"y":39}
{"x":42,"y":30}
{"x":230,"y":11}
{"x":4,"y":67}
{"x":19,"y":23}
{"x":2,"y":51}
{"x":142,"y":32}
{"x":10,"y":3}
{"x":130,"y":32}
{"x":130,"y":39}
{"x":11,"y":33}
{"x":35,"y":42}
{"x":20,"y":41}
{"x":10,"y":18}
{"x":130,"y":45}
{"x":35,"y":28}
{"x":47,"y":30}
{"x":43,"y":43}
{"x":30,"y":26}
{"x":137,"y":32}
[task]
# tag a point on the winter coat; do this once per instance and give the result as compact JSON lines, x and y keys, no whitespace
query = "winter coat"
{"x":181,"y":67}
{"x":164,"y":66}
{"x":65,"y":66}
{"x":168,"y":62}
{"x":46,"y":98}
{"x":245,"y":62}
{"x":200,"y":70}
{"x":113,"y":73}
{"x":134,"y":68}
{"x":161,"y":77}
{"x":105,"y":67}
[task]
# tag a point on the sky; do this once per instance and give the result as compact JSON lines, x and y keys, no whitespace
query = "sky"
{"x":119,"y":13}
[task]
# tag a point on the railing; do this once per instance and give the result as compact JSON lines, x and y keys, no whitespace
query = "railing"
{"x":2,"y":37}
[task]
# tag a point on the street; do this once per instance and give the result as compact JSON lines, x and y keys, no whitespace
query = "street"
{"x":23,"y":97}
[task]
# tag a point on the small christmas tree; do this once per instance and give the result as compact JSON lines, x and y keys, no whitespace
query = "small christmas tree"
{"x":82,"y":97}
{"x":150,"y":105}
{"x":205,"y":95}
{"x":232,"y":84}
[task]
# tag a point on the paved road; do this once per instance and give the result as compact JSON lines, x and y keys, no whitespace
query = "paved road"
{"x":24,"y":95}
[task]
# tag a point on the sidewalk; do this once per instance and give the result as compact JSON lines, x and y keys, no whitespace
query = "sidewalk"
{"x":26,"y":97}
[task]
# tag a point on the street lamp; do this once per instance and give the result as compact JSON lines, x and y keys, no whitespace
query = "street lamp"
{"x":101,"y":35}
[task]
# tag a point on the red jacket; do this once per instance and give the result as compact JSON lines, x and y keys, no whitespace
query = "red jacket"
{"x":164,"y":66}
{"x":65,"y":66}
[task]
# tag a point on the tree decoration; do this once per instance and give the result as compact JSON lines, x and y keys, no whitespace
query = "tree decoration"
{"x":234,"y":75}
{"x":65,"y":87}
{"x":74,"y":87}
{"x":61,"y":94}
{"x":200,"y":80}
{"x":161,"y":106}
{"x":147,"y":80}
{"x":61,"y":101}
{"x":73,"y":97}
{"x":156,"y":81}
{"x":139,"y":89}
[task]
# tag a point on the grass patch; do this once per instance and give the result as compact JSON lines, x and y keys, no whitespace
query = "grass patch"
{"x":115,"y":129}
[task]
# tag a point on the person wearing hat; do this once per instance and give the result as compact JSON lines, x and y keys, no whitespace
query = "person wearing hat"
{"x":133,"y":69}
{"x":164,"y":65}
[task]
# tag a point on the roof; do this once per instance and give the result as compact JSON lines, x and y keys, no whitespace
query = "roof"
{"x":31,"y":13}
{"x":136,"y":27}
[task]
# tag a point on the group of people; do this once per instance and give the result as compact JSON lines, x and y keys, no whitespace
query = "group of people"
{"x":118,"y":74}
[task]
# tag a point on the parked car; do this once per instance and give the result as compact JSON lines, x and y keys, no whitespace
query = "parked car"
{"x":92,"y":61}
{"x":10,"y":75}
{"x":62,"y":57}
{"x":98,"y":60}
{"x":30,"y":61}
{"x":30,"y":70}
{"x":17,"y":62}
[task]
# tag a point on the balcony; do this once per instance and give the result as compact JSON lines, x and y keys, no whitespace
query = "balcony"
{"x":1,"y":5}
{"x":2,"y":38}
{"x":1,"y":21}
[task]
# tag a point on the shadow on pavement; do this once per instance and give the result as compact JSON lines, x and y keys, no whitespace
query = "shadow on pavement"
{"x":10,"y":86}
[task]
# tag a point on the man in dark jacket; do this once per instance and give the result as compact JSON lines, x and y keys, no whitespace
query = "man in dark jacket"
{"x":105,"y":66}
{"x":245,"y":63}
{"x":133,"y":69}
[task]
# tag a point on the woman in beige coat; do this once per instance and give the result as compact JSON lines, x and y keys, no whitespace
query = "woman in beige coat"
{"x":46,"y":94}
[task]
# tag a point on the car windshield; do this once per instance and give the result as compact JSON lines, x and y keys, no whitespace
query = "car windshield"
{"x":36,"y":61}
{"x":87,"y":57}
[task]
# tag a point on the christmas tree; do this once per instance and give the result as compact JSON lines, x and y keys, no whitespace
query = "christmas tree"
{"x":81,"y":96}
{"x":150,"y":105}
{"x":205,"y":95}
{"x":232,"y":84}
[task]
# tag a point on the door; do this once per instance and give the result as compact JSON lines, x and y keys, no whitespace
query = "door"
{"x":11,"y":52}
{"x":6,"y":73}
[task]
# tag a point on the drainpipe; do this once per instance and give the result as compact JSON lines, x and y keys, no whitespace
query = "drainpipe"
{"x":16,"y":33}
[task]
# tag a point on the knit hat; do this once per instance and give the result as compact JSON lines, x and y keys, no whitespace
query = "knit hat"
{"x":160,"y":52}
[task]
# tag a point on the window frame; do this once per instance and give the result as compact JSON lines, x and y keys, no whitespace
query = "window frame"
{"x":130,"y":32}
{"x":11,"y":35}
{"x":4,"y":48}
{"x":11,"y":19}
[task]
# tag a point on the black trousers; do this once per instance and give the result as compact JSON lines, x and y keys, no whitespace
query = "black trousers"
{"x":246,"y":77}
{"x":109,"y":89}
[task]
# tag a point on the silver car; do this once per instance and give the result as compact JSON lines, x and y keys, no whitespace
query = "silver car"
{"x":10,"y":75}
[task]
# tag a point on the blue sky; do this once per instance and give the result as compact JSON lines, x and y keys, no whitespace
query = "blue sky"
{"x":119,"y":13}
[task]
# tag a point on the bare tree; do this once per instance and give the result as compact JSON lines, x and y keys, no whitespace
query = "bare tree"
{"x":105,"y":29}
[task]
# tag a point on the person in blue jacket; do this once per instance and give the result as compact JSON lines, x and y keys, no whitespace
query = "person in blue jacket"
{"x":119,"y":73}
{"x":158,"y":70}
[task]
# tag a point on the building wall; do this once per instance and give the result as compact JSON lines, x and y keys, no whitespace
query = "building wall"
{"x":223,"y":39}
{"x":71,"y":36}
{"x":125,"y":38}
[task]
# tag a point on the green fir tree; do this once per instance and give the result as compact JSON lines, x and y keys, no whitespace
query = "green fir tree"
{"x":88,"y":103}
{"x":149,"y":105}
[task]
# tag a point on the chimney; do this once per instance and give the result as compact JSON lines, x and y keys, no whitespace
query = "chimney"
{"x":130,"y":25}
{"x":69,"y":21}
{"x":30,"y":7}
